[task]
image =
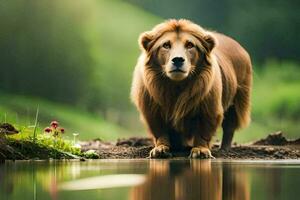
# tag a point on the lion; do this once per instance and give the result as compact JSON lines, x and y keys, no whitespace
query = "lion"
{"x":187,"y":82}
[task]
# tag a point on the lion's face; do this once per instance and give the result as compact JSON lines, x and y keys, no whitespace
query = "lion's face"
{"x":176,"y":47}
{"x":177,"y":54}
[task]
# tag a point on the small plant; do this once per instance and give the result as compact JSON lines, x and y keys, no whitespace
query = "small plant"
{"x":75,"y":144}
{"x":54,"y":129}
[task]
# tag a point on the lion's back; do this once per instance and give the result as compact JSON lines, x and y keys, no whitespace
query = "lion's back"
{"x":232,"y":54}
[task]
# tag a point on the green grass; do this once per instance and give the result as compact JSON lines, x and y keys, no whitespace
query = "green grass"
{"x":20,"y":110}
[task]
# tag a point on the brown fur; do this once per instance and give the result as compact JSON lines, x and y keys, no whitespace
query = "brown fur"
{"x":216,"y":92}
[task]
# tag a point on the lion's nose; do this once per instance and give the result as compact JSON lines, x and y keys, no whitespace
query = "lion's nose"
{"x":178,"y":61}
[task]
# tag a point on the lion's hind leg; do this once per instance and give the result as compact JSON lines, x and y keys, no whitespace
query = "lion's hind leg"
{"x":237,"y":116}
{"x":243,"y":106}
{"x":229,"y":125}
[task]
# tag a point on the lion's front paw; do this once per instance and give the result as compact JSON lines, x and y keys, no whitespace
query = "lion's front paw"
{"x":200,"y":152}
{"x":161,"y":151}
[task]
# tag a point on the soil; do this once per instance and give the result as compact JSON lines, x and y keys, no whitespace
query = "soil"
{"x":274,"y":146}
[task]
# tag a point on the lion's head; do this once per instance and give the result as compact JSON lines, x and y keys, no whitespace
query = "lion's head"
{"x":177,"y":48}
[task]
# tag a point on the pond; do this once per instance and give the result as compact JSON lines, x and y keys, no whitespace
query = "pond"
{"x":150,"y":179}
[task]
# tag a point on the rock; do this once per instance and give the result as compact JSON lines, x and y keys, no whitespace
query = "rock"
{"x":91,"y":154}
{"x":8,"y":129}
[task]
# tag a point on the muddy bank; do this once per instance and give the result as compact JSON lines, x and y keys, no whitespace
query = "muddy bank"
{"x":274,"y":146}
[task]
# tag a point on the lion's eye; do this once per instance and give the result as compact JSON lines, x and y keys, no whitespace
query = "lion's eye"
{"x":189,"y":45}
{"x":167,"y":45}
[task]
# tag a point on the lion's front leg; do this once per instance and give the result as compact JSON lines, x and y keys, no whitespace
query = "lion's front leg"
{"x":157,"y":128}
{"x":202,"y":138}
{"x":201,"y":149}
{"x":161,"y":149}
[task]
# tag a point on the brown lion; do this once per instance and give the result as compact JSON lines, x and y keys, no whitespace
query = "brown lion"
{"x":188,"y":81}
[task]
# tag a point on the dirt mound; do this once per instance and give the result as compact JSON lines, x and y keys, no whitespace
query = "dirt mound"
{"x":135,"y":147}
{"x":277,"y":139}
{"x":257,"y":152}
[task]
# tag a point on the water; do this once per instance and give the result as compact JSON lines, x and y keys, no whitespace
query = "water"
{"x":150,"y":179}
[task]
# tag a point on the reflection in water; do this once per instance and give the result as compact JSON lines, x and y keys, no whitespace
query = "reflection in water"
{"x":235,"y":183}
{"x":6,"y":185}
{"x":150,"y":179}
{"x":194,"y":179}
{"x":104,"y":182}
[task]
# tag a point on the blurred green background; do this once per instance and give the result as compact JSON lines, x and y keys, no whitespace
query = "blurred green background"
{"x":75,"y":60}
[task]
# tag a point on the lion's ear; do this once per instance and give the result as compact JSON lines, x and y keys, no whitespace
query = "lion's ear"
{"x":210,"y":42}
{"x":144,"y":40}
